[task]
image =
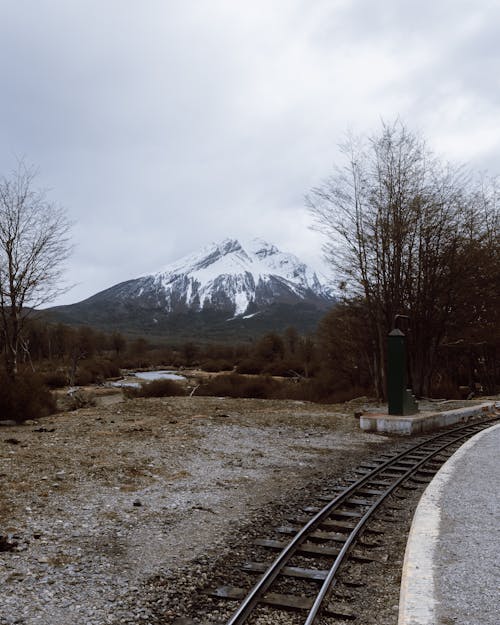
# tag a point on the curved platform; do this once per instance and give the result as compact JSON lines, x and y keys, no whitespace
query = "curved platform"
{"x":424,"y":421}
{"x":451,"y":572}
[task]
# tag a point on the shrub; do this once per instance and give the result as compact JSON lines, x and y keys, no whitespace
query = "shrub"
{"x":84,"y":376}
{"x":26,"y":397}
{"x":234,"y":385}
{"x":265,"y":387}
{"x":251,"y":365}
{"x":156,"y":388}
{"x":55,"y":379}
{"x":284,"y":368}
{"x":316,"y":390}
{"x":80,"y":399}
{"x":95,"y":371}
{"x":217,"y":364}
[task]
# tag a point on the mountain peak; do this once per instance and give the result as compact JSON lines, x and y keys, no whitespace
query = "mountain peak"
{"x":234,"y":276}
{"x":262,"y":248}
{"x":241,"y":287}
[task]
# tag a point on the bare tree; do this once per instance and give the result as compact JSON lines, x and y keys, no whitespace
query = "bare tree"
{"x":34,"y":244}
{"x":394,"y":217}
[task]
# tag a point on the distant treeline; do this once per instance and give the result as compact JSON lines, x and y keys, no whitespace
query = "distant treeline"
{"x":333,"y":364}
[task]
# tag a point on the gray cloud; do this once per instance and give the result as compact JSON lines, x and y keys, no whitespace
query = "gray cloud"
{"x":164,"y":125}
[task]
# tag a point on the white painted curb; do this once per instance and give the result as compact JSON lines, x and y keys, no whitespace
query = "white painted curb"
{"x":417,"y":602}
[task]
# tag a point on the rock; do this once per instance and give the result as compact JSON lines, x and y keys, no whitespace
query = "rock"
{"x":6,"y":544}
{"x":15,"y":577}
{"x":137,"y":503}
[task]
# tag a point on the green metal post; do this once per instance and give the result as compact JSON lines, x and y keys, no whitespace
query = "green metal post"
{"x":401,"y":400}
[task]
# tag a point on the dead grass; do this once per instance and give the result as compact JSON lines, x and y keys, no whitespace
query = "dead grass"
{"x":114,"y":445}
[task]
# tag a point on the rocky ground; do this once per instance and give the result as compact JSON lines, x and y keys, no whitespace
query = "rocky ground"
{"x":123,"y":512}
{"x":97,"y":502}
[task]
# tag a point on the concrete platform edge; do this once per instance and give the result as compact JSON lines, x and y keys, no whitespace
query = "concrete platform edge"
{"x":421,"y":422}
{"x":417,"y":605}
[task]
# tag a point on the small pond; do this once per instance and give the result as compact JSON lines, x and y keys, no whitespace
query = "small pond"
{"x":158,"y":375}
{"x":148,"y":376}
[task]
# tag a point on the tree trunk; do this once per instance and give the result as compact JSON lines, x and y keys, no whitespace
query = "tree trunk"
{"x":12,"y":344}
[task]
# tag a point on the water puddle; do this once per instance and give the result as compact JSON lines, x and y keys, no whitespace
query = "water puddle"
{"x":147,"y":376}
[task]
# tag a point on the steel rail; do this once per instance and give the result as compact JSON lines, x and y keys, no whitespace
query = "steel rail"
{"x":316,"y":607}
{"x":255,"y":594}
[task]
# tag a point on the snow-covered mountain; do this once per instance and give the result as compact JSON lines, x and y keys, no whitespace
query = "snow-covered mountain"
{"x":252,"y":287}
{"x":233,"y":277}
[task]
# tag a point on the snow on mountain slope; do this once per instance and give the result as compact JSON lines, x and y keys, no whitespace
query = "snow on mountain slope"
{"x":235,"y":277}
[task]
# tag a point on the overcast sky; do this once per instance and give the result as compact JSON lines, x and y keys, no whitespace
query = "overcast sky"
{"x":164,"y":125}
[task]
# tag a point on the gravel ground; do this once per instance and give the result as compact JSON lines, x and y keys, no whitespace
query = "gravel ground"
{"x":115,"y":514}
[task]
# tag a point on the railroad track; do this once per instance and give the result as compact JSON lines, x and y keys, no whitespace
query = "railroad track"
{"x":323,"y":538}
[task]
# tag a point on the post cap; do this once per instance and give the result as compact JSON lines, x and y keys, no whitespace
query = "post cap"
{"x":396,"y":332}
